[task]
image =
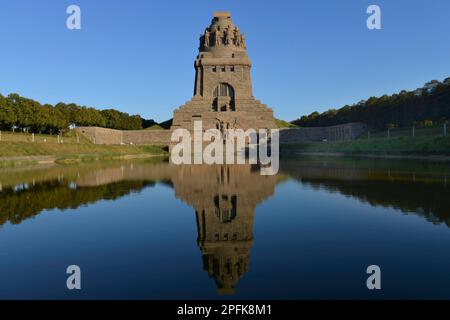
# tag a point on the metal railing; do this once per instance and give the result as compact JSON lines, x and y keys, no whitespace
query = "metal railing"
{"x":411,"y":132}
{"x":9,"y":136}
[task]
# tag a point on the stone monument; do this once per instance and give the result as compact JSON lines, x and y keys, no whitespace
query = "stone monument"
{"x":223,"y":97}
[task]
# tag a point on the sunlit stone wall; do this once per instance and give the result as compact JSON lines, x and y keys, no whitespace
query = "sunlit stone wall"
{"x":136,"y":137}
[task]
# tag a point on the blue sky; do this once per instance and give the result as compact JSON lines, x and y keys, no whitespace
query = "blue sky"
{"x":137,"y":55}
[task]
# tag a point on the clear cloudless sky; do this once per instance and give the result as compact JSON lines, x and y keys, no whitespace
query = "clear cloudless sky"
{"x":137,"y":55}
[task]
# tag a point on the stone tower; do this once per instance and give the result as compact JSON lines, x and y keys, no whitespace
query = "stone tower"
{"x":223,"y":97}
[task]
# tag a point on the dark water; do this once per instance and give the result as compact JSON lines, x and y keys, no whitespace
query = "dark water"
{"x":152,"y":230}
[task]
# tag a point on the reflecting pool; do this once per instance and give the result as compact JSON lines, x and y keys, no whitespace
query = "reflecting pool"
{"x":152,"y":230}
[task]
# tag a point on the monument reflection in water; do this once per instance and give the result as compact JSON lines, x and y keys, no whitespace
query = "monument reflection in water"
{"x":224,"y":199}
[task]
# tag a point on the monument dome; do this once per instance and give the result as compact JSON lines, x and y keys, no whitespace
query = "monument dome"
{"x":222,"y":35}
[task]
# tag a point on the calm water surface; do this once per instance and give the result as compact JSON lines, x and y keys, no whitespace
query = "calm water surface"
{"x":142,"y":230}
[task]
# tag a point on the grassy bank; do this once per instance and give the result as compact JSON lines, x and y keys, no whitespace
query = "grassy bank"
{"x":15,"y":154}
{"x":19,"y":149}
{"x":400,"y":146}
{"x":283,"y":124}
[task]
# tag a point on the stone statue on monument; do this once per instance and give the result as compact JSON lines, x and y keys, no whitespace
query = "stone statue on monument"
{"x":243,"y":41}
{"x":237,"y":38}
{"x":206,"y":39}
{"x":228,"y":39}
{"x":218,"y":36}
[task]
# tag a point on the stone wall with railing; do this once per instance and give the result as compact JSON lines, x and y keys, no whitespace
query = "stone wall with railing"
{"x":348,"y":131}
{"x":98,"y":135}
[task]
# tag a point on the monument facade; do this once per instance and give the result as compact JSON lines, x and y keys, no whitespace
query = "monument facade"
{"x":223,"y":94}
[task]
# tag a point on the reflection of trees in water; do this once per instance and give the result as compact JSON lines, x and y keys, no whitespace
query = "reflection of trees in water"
{"x":19,"y":205}
{"x":425,"y":193}
{"x":430,"y":201}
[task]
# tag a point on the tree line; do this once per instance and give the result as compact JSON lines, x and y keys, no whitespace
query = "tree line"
{"x":425,"y":106}
{"x":20,"y":113}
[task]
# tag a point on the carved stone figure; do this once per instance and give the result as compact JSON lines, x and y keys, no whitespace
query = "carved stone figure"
{"x":228,"y":39}
{"x":218,"y":38}
{"x":206,"y":39}
{"x":243,"y":41}
{"x":237,"y":38}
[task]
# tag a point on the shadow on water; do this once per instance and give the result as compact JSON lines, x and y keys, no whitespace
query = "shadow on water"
{"x":224,"y":198}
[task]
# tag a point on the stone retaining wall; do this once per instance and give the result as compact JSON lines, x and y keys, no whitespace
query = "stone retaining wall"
{"x":348,"y":131}
{"x":137,"y":137}
{"x":140,"y":137}
{"x":98,"y":135}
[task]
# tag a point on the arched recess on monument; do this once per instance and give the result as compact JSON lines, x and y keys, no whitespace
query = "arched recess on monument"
{"x":225,"y":207}
{"x":223,"y":98}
